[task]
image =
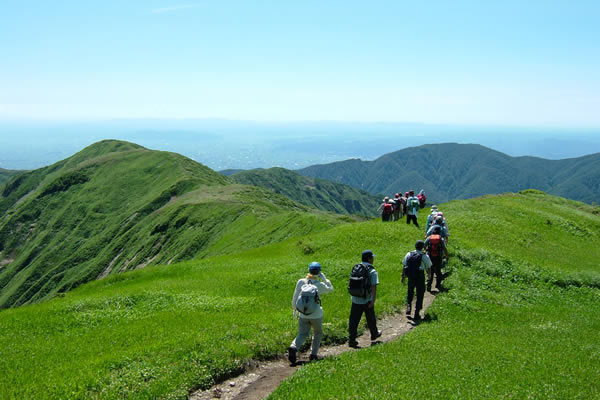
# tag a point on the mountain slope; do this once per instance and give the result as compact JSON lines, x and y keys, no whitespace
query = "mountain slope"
{"x":318,"y":193}
{"x":459,"y":171}
{"x":116,"y":206}
{"x":6,"y":174}
{"x":513,"y":324}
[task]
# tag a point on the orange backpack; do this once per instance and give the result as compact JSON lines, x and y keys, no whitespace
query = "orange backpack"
{"x":435,"y":245}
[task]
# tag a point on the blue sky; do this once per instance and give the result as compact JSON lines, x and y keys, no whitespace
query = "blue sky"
{"x":456,"y":62}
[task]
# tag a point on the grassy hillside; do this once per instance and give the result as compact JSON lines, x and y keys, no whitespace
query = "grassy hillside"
{"x":6,"y":174}
{"x":116,"y":206}
{"x":507,"y":327}
{"x":460,"y":171}
{"x":229,"y":172}
{"x":318,"y":193}
{"x":520,"y":319}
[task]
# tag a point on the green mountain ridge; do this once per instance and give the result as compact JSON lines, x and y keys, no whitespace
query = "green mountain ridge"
{"x":313,"y":192}
{"x":519,"y":320}
{"x":117,"y":206}
{"x":458,"y":171}
{"x":7,"y":174}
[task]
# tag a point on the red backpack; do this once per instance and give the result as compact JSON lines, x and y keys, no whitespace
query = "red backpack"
{"x":387,"y":208}
{"x":435,"y":246}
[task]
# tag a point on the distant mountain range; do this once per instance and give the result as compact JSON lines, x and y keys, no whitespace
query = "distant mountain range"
{"x":459,"y":171}
{"x":319,"y":193}
{"x":116,"y":206}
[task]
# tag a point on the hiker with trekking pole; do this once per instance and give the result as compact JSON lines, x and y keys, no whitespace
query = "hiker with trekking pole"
{"x":306,"y":304}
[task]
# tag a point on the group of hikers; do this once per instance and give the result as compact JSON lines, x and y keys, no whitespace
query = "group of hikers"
{"x":394,"y":208}
{"x":428,"y":258}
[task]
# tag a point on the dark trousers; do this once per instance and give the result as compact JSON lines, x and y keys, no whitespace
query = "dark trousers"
{"x":356,"y":313}
{"x":412,"y":218}
{"x":436,"y":268}
{"x":417,"y":282}
{"x":385,"y":216}
{"x":396,"y":214}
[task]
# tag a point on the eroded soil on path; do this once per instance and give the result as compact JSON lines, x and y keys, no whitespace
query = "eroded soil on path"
{"x":262,"y":378}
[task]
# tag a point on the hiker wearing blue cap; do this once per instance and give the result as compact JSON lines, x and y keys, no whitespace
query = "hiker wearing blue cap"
{"x":306,"y":304}
{"x":363,"y":289}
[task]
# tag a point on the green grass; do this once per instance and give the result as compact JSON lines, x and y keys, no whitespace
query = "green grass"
{"x":116,"y":206}
{"x":7,"y":174}
{"x":163,"y":331}
{"x":519,"y":321}
{"x":511,"y":326}
{"x":318,"y":193}
{"x":542,"y":230}
{"x":488,"y":338}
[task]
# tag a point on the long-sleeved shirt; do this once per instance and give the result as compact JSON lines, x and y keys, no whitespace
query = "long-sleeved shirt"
{"x":443,"y":231}
{"x":323,"y":287}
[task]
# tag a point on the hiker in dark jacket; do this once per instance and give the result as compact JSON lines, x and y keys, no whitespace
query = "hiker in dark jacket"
{"x":416,"y":263}
{"x":398,"y":207}
{"x":435,"y":246}
{"x":322,"y":285}
{"x":365,"y":305}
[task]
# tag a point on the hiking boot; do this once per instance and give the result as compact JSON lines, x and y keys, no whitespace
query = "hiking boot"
{"x":429,"y":288}
{"x":417,"y":316}
{"x":314,"y":357}
{"x":353,"y":344}
{"x":408,"y":309}
{"x":373,"y":338}
{"x":292,"y":355}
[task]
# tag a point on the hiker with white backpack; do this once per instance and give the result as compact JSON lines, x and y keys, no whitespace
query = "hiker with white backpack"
{"x":306,"y":304}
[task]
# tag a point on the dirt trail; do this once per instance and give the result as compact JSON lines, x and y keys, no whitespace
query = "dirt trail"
{"x":263,"y":378}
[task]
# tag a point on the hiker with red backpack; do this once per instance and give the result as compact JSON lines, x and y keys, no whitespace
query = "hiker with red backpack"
{"x":362,"y":286}
{"x":412,"y":207}
{"x":416,"y":263}
{"x":306,"y":304}
{"x":387,"y":209}
{"x":435,"y":246}
{"x":422,"y":198}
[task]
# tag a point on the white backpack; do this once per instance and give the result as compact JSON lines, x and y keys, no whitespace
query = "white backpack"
{"x":308,"y":301}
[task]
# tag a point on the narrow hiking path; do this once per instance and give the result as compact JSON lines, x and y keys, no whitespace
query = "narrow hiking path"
{"x":262,"y":378}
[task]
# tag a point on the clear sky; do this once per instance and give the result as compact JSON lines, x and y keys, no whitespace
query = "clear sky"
{"x":524,"y":62}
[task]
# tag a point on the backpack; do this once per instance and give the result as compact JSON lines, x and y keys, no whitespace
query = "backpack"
{"x":359,"y":284}
{"x":413,"y":264}
{"x":434,"y":245}
{"x":414,"y":202}
{"x":308,"y":300}
{"x":388,"y":208}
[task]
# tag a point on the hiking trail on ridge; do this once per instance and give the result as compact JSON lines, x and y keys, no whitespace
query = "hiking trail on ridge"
{"x":262,"y":378}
